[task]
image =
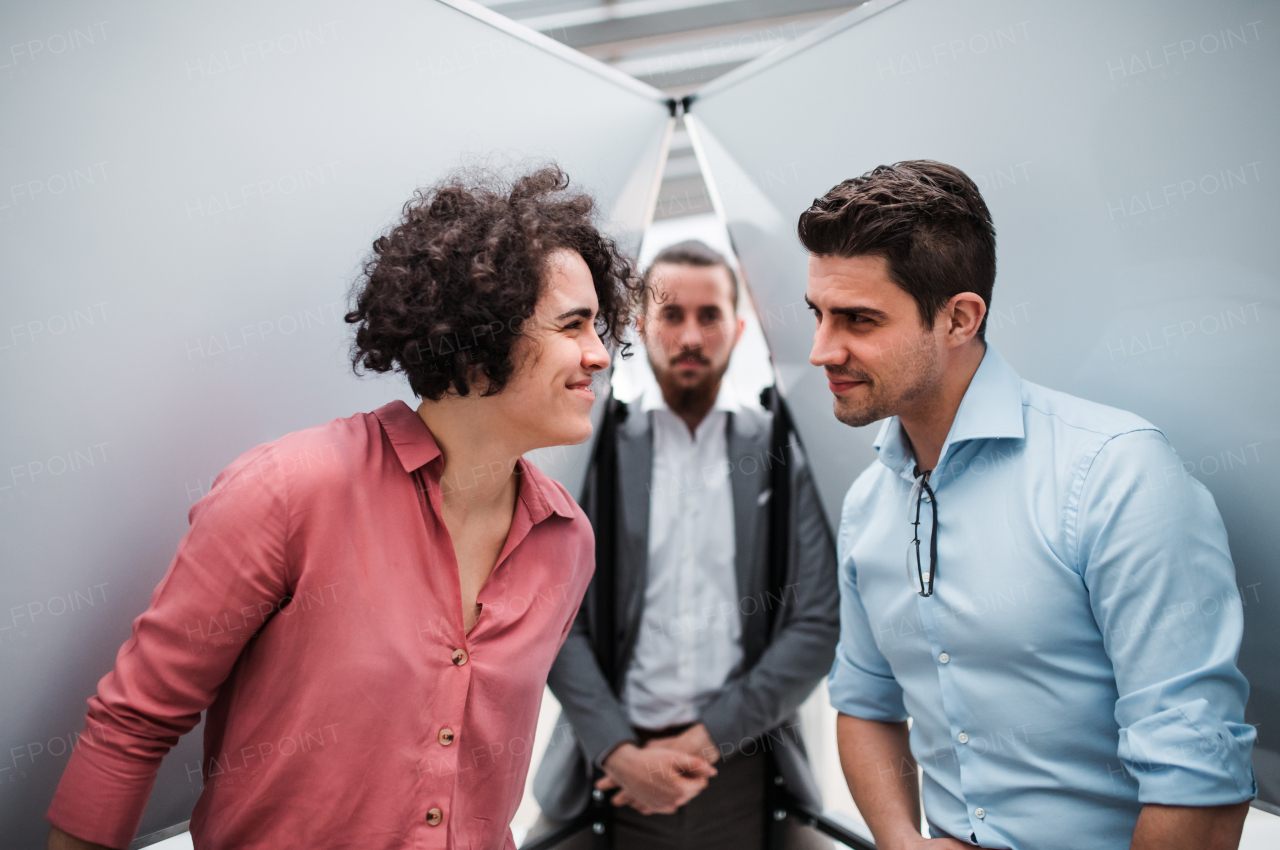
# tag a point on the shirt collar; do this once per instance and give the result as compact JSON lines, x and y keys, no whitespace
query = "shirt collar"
{"x":416,"y":447}
{"x":408,"y":434}
{"x":541,"y":494}
{"x":991,"y":408}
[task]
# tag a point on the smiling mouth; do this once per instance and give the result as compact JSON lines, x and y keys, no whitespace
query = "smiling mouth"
{"x":839,"y":385}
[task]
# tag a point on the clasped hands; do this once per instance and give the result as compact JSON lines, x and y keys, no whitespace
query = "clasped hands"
{"x":664,"y":774}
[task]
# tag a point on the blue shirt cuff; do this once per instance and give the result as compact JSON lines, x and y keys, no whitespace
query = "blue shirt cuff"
{"x":1187,"y":756}
{"x":858,"y":693}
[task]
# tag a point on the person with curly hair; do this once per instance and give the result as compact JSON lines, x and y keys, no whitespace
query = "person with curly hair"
{"x":367,"y":610}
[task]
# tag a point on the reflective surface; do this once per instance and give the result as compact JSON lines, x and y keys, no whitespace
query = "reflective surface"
{"x":1128,"y":154}
{"x":188,"y":192}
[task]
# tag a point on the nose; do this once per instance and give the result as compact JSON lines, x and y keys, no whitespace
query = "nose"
{"x":691,"y":335}
{"x":594,"y":355}
{"x":826,"y":351}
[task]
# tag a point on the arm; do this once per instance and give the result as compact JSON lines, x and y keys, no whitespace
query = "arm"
{"x":1153,"y":554}
{"x":1189,"y":827}
{"x":809,"y":626}
{"x":230,"y":567}
{"x":881,"y":773}
{"x":59,"y":840}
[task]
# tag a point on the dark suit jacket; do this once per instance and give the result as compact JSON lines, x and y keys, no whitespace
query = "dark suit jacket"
{"x":780,"y":669}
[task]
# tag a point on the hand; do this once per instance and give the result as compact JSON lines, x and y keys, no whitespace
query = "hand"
{"x":654,"y":780}
{"x":695,"y":741}
{"x":59,"y":840}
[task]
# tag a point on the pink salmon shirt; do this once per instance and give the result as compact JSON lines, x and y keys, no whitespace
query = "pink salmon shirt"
{"x":314,"y":610}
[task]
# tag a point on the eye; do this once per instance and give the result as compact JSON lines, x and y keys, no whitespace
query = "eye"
{"x":574,"y":325}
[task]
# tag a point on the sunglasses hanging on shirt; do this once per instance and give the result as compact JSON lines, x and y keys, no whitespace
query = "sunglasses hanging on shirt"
{"x":922,"y":577}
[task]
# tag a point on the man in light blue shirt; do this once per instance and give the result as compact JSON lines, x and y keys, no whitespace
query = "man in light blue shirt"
{"x":1030,"y":577}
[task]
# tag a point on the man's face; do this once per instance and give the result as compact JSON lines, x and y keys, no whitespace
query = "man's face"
{"x":879,"y":359}
{"x":689,"y":329}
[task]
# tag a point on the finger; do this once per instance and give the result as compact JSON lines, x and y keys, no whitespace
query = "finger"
{"x":695,"y":766}
{"x":606,"y":784}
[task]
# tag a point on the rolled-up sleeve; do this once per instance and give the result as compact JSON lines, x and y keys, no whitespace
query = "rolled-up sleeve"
{"x":1153,"y":552}
{"x":224,"y":583}
{"x":861,"y":683}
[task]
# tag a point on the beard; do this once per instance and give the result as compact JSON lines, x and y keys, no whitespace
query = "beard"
{"x":683,"y":396}
{"x":695,"y":397}
{"x":908,"y":379}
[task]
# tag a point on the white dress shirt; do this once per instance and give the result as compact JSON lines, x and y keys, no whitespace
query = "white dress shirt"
{"x":690,"y":636}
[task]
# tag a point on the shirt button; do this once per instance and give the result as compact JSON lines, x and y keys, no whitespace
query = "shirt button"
{"x":944,"y":658}
{"x":459,"y":657}
{"x":446,"y":737}
{"x":963,"y":737}
{"x":434,"y":816}
{"x":980,"y":812}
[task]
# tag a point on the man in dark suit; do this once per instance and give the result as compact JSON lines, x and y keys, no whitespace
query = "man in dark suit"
{"x":690,"y":711}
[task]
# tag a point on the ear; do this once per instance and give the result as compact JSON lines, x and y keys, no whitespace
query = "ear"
{"x":963,"y":316}
{"x":740,"y":324}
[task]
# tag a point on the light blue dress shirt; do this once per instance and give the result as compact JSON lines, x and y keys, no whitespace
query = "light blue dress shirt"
{"x":1077,"y":658}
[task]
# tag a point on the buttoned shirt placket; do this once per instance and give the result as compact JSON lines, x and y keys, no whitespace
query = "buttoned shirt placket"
{"x":439,"y":755}
{"x":929,"y":610}
{"x":688,"y":448}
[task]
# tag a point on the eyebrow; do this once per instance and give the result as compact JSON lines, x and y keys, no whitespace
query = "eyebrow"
{"x":870,"y":312}
{"x":584,"y":312}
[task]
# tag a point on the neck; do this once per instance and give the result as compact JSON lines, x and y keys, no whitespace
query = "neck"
{"x":690,"y":405}
{"x":928,"y":421}
{"x":479,"y":456}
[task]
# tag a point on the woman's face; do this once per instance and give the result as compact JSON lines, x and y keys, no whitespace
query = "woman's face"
{"x":548,"y":399}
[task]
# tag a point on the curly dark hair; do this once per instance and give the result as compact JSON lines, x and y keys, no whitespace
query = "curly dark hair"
{"x":928,"y":221}
{"x":448,"y":288}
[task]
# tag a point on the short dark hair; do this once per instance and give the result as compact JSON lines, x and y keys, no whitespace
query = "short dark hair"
{"x":928,"y":221}
{"x":448,"y":289}
{"x":691,"y":252}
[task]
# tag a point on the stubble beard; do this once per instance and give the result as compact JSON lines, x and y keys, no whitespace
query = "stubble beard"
{"x":912,"y":379}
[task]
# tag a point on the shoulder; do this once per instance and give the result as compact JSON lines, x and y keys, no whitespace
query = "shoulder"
{"x":328,"y":450}
{"x":321,"y":457}
{"x":1093,"y":441}
{"x":1070,"y":415}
